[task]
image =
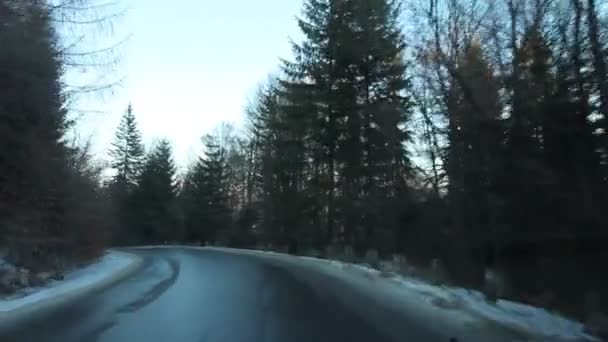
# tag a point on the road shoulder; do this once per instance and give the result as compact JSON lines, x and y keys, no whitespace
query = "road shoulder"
{"x":393,"y":298}
{"x":112,"y":267}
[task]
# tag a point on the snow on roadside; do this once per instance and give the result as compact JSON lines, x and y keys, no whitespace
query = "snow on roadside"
{"x":518,"y":316}
{"x":521,"y":316}
{"x":108,"y":266}
{"x":450,"y":304}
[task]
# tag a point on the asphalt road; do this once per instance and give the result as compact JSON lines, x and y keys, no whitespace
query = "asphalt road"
{"x":210,"y":296}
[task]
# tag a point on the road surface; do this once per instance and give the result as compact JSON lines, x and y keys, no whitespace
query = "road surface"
{"x":213,"y":296}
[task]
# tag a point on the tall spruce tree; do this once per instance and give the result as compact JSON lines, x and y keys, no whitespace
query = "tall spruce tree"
{"x":205,"y":195}
{"x":311,"y":114}
{"x":127,"y":155}
{"x":155,"y":198}
{"x":525,"y":172}
{"x":343,"y":114}
{"x":49,"y":204}
{"x":127,"y":152}
{"x":192,"y":202}
{"x":33,"y":159}
{"x":384,"y":111}
{"x":472,"y":162}
{"x":266,"y":169}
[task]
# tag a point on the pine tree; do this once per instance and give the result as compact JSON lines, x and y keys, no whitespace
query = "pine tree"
{"x":205,"y":195}
{"x":215,"y":187}
{"x":191,"y":201}
{"x":49,"y":208}
{"x":310,"y":115}
{"x":343,"y":114}
{"x":384,"y":113}
{"x":529,"y":125}
{"x":155,"y":198}
{"x":266,"y":168}
{"x":127,"y":152}
{"x":571,"y":145}
{"x":33,"y":159}
{"x":472,"y":162}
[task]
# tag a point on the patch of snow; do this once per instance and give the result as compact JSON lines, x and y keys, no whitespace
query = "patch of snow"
{"x":518,"y":316}
{"x":524,"y":317}
{"x":449,"y":304}
{"x":105,"y":268}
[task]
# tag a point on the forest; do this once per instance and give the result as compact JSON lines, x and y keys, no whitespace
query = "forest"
{"x":470,"y":134}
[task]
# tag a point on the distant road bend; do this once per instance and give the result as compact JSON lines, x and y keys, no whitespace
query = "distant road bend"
{"x":194,"y":295}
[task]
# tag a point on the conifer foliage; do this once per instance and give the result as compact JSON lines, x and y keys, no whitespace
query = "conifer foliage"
{"x":155,"y":198}
{"x":52,"y":211}
{"x":127,"y":152}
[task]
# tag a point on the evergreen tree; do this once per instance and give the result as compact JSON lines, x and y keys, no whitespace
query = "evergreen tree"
{"x":127,"y":152}
{"x":265,"y":167}
{"x":525,"y":171}
{"x":311,"y":111}
{"x":154,"y":200}
{"x":48,"y":201}
{"x":205,"y":195}
{"x":472,"y":162}
{"x":192,"y":202}
{"x":33,"y":159}
{"x":342,"y":118}
{"x":383,"y":92}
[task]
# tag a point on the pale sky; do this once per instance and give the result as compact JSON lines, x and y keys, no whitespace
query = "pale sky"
{"x":191,"y":64}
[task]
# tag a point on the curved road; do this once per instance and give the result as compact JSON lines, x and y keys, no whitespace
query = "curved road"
{"x":212,"y":296}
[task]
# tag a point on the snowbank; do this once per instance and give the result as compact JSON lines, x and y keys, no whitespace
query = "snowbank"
{"x":448,"y":304}
{"x":109,"y":268}
{"x":518,"y":316}
{"x":522,"y":317}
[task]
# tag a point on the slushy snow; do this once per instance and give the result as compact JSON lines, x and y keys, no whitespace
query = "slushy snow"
{"x":105,"y":268}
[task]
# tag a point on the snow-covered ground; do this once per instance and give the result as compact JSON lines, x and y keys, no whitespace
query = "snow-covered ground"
{"x":111,"y":266}
{"x":448,"y":304}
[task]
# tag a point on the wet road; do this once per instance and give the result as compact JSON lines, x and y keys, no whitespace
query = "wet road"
{"x":211,"y":296}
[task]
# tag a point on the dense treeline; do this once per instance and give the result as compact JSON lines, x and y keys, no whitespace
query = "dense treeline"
{"x":466,"y":134}
{"x":516,"y":120}
{"x":52,"y":207}
{"x":476,"y":136}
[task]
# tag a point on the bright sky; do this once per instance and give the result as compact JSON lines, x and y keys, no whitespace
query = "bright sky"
{"x":191,"y":64}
